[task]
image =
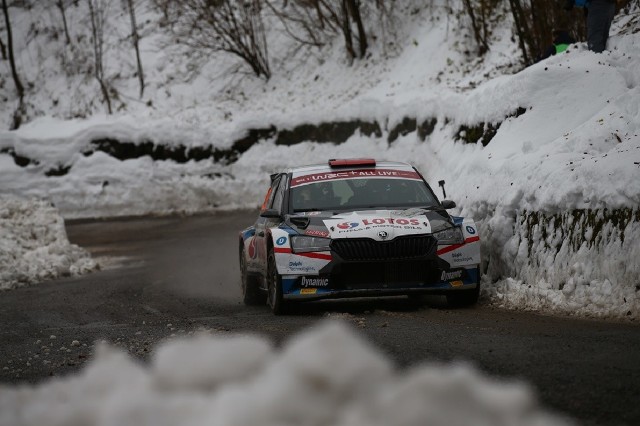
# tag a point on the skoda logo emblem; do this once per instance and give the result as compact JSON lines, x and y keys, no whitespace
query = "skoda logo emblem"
{"x":383,"y":235}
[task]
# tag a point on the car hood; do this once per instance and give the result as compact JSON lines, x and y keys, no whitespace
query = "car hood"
{"x":381,"y":225}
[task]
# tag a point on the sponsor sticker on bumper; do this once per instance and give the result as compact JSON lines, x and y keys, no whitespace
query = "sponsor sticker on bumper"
{"x":314,"y":282}
{"x":308,"y":290}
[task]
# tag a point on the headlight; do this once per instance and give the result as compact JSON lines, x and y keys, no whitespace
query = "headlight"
{"x":449,"y":236}
{"x":302,"y":243}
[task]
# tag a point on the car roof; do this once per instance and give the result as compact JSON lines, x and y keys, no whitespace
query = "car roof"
{"x":324,"y":167}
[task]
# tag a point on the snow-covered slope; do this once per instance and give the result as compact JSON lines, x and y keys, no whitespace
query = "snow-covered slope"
{"x":566,"y":140}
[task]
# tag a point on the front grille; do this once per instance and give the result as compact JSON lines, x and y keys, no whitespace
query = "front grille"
{"x":386,"y":275}
{"x":363,"y":249}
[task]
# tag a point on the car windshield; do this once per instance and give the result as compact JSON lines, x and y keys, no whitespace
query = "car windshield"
{"x":351,"y":194}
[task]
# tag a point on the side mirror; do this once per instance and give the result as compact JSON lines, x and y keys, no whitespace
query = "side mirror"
{"x":448,"y":204}
{"x":271,"y":214}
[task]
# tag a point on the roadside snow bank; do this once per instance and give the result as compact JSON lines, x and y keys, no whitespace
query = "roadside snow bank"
{"x":580,"y":262}
{"x":34,"y":245}
{"x":325,"y":376}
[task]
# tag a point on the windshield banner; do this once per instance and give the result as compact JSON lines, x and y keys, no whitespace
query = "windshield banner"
{"x":354,"y":174}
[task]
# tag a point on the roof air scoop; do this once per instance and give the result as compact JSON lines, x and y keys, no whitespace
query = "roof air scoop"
{"x":351,"y":162}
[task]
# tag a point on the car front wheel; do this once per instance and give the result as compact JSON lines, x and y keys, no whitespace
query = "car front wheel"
{"x":274,"y":285}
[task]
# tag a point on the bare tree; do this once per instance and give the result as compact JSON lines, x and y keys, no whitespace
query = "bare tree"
{"x":305,"y":22}
{"x":346,"y":29}
{"x":97,"y":13}
{"x":479,"y":26}
{"x":354,"y":12}
{"x":535,"y":24}
{"x":62,"y":8}
{"x":17,"y":118}
{"x":231,"y":26}
{"x":522,"y":29}
{"x":314,"y":22}
{"x":136,"y":39}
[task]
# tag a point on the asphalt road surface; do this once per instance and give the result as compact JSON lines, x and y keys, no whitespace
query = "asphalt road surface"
{"x":172,"y":276}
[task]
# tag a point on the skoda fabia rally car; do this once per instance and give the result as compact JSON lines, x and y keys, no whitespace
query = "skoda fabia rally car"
{"x":354,"y":228}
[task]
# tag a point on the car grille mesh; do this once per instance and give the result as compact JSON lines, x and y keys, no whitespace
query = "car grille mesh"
{"x":363,"y":249}
{"x":386,"y":275}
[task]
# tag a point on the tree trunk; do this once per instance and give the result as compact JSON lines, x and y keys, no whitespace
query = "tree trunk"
{"x":516,"y":10}
{"x":134,"y":36}
{"x":482,"y":43}
{"x":12,"y":61}
{"x":316,"y":4}
{"x":3,"y":50}
{"x":60,"y":5}
{"x":97,"y":30}
{"x":354,"y":8}
{"x":346,"y":30}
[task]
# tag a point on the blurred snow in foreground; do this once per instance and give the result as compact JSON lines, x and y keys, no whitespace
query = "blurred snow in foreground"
{"x":34,"y":244}
{"x":325,"y":376}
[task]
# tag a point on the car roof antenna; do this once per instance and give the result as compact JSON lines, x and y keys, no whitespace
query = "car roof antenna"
{"x":444,"y":193}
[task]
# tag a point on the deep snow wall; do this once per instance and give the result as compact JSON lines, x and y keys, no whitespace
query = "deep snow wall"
{"x":581,"y":262}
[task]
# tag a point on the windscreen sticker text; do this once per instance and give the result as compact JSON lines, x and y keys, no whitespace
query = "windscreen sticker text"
{"x":351,"y":174}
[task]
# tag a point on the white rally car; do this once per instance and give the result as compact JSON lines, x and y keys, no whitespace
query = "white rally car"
{"x":357,"y":227}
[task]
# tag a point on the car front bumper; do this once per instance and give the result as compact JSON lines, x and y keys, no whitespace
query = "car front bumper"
{"x":334,"y":285}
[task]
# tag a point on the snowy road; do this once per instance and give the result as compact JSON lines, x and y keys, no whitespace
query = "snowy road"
{"x":172,"y":276}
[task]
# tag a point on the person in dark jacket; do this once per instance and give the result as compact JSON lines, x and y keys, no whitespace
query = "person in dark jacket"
{"x":599,"y":17}
{"x":600,"y":14}
{"x":561,"y":40}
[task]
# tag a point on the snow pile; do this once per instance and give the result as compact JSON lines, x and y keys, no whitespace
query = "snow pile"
{"x":326,"y":376}
{"x":34,"y":245}
{"x":581,"y":262}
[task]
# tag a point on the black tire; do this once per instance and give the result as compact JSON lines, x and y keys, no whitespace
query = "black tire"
{"x":274,"y":286}
{"x":251,"y":293}
{"x":463,"y":298}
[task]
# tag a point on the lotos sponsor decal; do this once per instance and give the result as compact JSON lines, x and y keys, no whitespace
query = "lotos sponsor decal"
{"x":347,"y":225}
{"x":281,"y":241}
{"x":450,"y":275}
{"x":316,"y":233}
{"x":372,"y":224}
{"x":390,"y":221}
{"x":471,"y":230}
{"x":314,"y":282}
{"x":379,"y":221}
